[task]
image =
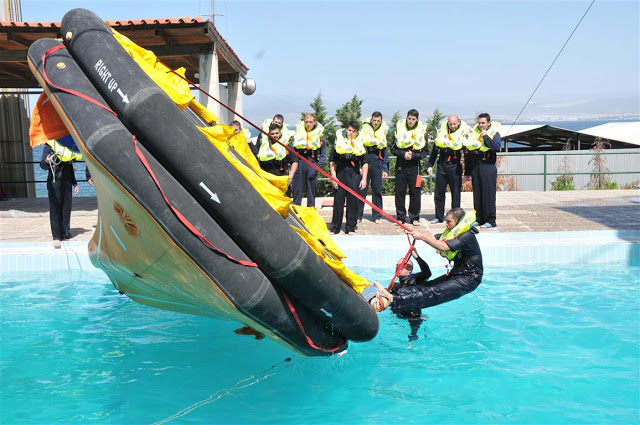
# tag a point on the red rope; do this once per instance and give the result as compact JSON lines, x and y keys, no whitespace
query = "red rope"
{"x":182,"y":218}
{"x":144,"y":161}
{"x":402,"y":264}
{"x":73,"y":92}
{"x":309,"y":340}
{"x":300,"y":157}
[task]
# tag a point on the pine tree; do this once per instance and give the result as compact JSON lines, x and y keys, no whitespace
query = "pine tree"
{"x":350,"y":111}
{"x":318,"y":108}
{"x":433,"y":124}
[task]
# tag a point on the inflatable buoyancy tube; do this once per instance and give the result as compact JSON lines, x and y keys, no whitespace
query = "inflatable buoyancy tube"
{"x":148,"y":254}
{"x":187,"y":155}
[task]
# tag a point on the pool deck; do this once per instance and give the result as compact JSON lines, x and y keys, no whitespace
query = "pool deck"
{"x":27,"y":220}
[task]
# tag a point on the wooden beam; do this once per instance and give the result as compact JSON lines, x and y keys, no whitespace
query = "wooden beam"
{"x":163,"y":35}
{"x":13,"y":55}
{"x":19,"y":84}
{"x":181,"y":50}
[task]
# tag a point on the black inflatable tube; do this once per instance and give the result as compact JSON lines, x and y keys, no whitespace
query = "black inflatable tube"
{"x":110,"y":144}
{"x":180,"y":147}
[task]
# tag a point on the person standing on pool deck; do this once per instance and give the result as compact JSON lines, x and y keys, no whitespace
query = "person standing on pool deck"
{"x":447,"y":153}
{"x":480,"y":163}
{"x":308,"y":142}
{"x":374,"y":136}
{"x":410,"y":148}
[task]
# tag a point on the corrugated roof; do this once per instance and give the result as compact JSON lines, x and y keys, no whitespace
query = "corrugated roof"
{"x":628,"y":132}
{"x":508,"y":130}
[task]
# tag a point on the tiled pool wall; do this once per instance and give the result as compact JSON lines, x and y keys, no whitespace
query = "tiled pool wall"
{"x":498,"y":249}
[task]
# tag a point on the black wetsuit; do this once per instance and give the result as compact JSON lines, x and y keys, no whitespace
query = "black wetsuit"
{"x":420,"y":278}
{"x":464,"y":277}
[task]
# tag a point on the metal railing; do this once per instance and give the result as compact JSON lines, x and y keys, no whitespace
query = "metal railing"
{"x":429,"y":179}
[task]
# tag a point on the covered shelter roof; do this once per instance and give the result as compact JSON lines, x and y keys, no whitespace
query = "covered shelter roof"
{"x":175,"y":41}
{"x":546,"y":137}
{"x":627,"y":132}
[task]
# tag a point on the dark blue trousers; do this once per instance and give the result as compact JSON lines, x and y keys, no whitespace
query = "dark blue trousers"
{"x":305,"y":177}
{"x":374,"y":180}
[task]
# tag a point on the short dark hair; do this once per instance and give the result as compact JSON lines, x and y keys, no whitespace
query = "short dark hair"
{"x":235,"y":122}
{"x":273,"y":126}
{"x":484,"y":115}
{"x":279,"y":116}
{"x":354,"y":124}
{"x":456,"y":213}
{"x":413,"y":113}
{"x":376,"y":114}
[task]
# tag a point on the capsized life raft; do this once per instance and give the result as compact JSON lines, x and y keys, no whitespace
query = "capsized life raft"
{"x":142,"y":244}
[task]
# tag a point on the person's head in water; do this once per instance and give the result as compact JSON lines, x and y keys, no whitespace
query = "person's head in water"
{"x":406,"y":270}
{"x":452,"y":217}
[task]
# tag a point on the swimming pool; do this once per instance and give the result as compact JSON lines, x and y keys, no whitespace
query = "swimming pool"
{"x":534,"y":344}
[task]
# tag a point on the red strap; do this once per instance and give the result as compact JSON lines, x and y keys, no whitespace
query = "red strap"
{"x":300,"y":157}
{"x":182,"y":218}
{"x":309,"y":341}
{"x":402,"y":264}
{"x":73,"y":92}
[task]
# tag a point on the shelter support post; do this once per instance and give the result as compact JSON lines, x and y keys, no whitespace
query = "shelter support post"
{"x":234,"y":94}
{"x":209,"y":81}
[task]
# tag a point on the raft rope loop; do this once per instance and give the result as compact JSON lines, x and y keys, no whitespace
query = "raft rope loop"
{"x":177,"y":213}
{"x":185,"y":222}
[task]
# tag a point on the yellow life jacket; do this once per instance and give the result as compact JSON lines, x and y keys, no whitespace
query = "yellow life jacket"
{"x":406,"y":138}
{"x":476,"y":141}
{"x":63,"y":153}
{"x":269,"y":150}
{"x":304,"y":139}
{"x":447,"y":140}
{"x":464,"y":224}
{"x":247,"y":134}
{"x":286,"y":133}
{"x":345,"y":146}
{"x":371,"y":137}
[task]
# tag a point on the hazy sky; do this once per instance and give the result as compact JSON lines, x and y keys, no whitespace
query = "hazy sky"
{"x":460,"y":56}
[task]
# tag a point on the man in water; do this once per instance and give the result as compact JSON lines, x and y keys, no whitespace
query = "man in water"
{"x":460,"y":246}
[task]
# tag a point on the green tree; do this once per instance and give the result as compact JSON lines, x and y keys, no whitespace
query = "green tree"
{"x":350,"y":111}
{"x":318,"y":108}
{"x":324,"y":188}
{"x":433,"y":124}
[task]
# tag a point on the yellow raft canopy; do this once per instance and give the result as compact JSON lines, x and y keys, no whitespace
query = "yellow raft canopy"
{"x":236,"y":149}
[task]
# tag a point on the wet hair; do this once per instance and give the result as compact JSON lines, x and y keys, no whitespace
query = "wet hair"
{"x":354,"y":124}
{"x":235,"y":122}
{"x":408,"y":265}
{"x":456,"y":213}
{"x":278,"y":116}
{"x":273,"y":126}
{"x":413,"y":113}
{"x":484,"y":115}
{"x":376,"y":114}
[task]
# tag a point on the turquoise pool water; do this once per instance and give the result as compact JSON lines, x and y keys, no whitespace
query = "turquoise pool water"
{"x":531,"y":345}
